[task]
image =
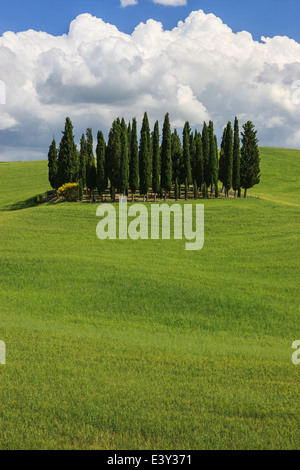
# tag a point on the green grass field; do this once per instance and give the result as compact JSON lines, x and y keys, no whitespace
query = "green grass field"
{"x":141,"y":344}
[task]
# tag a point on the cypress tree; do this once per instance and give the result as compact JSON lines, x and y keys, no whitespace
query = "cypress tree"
{"x":193,"y":155}
{"x":114,"y":156}
{"x":206,"y":159}
{"x":53,"y":165}
{"x":228,"y":151}
{"x":177,"y":159}
{"x":67,"y":156}
{"x":186,"y":188}
{"x":186,"y":154}
{"x":216,"y":174}
{"x":89,"y":147}
{"x":212,"y":157}
{"x":92,"y":179}
{"x":145,"y":159}
{"x":236,"y":180}
{"x":222,"y":160}
{"x":199,"y":163}
{"x":134,"y":160}
{"x":129,"y":131}
{"x":102,"y":182}
{"x":83,"y":160}
{"x":124,"y":162}
{"x":80,"y":189}
{"x":176,"y":189}
{"x":166,"y":157}
{"x":250,"y":159}
{"x":156,"y":164}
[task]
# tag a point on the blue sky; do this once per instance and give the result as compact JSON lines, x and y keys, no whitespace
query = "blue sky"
{"x":260,"y":17}
{"x":200,"y":71}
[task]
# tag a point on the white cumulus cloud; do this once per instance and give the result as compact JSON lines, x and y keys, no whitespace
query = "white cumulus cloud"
{"x":171,"y":3}
{"x":126,"y":3}
{"x":198,"y":71}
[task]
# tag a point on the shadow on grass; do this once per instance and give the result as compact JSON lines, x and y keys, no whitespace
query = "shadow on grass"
{"x":31,"y":202}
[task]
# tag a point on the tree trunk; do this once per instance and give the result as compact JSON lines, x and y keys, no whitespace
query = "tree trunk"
{"x":144,"y":198}
{"x":154,"y":197}
{"x":179,"y":191}
{"x":234,"y":194}
{"x":132,"y":197}
{"x":165,"y":195}
{"x":245,"y":193}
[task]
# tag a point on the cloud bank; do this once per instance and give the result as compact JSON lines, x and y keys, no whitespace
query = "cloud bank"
{"x":200,"y":70}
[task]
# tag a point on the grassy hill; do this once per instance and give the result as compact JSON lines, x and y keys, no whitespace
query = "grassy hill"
{"x":143,"y":345}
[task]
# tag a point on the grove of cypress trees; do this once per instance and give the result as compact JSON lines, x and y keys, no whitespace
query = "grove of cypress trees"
{"x":53,"y":165}
{"x":228,"y":151}
{"x":166,"y":157}
{"x":145,"y":160}
{"x":124,"y":161}
{"x":67,"y":156}
{"x":250,"y":159}
{"x":156,"y":164}
{"x":236,"y":180}
{"x":101,"y":167}
{"x":134,"y":160}
{"x":206,"y":159}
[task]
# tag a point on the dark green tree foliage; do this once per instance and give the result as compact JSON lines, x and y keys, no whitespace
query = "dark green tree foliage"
{"x":113,"y":154}
{"x":186,"y":188}
{"x":177,"y":157}
{"x":129,"y":131}
{"x":92,"y":179}
{"x":212,"y":156}
{"x":206,"y":158}
{"x":156,"y":163}
{"x":124,"y":162}
{"x":199,"y":162}
{"x":83,"y":160}
{"x":134,"y":160}
{"x":216,"y":174}
{"x":195,"y":190}
{"x":89,"y":147}
{"x":80,"y":189}
{"x":222,"y":158}
{"x":176,"y":189}
{"x":193,"y":155}
{"x":187,"y":170}
{"x":67,"y":156}
{"x":166,"y":156}
{"x":236,"y":180}
{"x":228,"y":150}
{"x":53,"y":165}
{"x":102,"y":181}
{"x":250,"y":159}
{"x":145,"y":159}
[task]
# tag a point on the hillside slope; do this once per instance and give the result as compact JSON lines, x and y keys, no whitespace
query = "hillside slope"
{"x":143,"y":345}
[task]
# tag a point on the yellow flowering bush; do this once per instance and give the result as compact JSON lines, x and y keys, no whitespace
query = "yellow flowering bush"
{"x":69,"y":191}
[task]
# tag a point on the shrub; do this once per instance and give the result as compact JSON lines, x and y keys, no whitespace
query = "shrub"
{"x":69,"y":191}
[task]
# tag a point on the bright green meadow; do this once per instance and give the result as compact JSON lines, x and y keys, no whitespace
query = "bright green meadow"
{"x":141,"y":344}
